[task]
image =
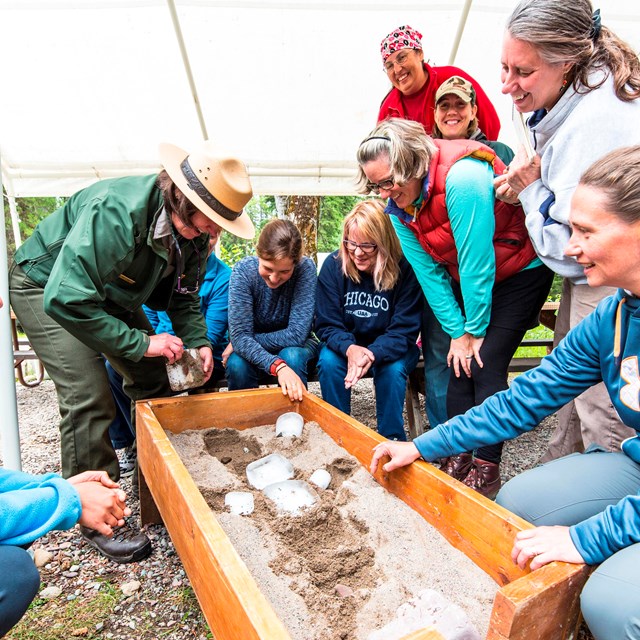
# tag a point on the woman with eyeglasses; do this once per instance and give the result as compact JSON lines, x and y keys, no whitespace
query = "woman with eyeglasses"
{"x":582,"y":83}
{"x":415,"y":82}
{"x":368,"y":314}
{"x":272,"y":296}
{"x":77,"y":286}
{"x":471,"y":254}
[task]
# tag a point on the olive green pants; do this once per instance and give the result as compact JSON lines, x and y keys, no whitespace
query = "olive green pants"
{"x":86,"y":405}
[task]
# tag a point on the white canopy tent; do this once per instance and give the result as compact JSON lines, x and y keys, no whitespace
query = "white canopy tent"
{"x":89,"y":88}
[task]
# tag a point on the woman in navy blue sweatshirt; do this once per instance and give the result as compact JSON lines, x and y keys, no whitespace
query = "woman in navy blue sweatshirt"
{"x":368,"y":313}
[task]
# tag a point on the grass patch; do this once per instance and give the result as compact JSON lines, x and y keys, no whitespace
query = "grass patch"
{"x":539,"y":333}
{"x":63,"y":619}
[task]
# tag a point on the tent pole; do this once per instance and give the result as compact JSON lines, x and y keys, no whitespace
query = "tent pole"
{"x":187,"y":67}
{"x":461,"y":25}
{"x":15,"y":221}
{"x":9,"y":431}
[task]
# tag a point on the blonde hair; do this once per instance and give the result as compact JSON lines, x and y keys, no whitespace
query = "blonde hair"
{"x":406,"y":145}
{"x":568,"y":32}
{"x":374,"y":224}
{"x":280,"y":239}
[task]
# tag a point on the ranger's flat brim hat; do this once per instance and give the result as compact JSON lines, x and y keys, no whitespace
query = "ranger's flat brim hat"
{"x":216,"y":184}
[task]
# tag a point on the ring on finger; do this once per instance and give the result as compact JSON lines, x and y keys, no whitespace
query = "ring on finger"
{"x":468,"y":357}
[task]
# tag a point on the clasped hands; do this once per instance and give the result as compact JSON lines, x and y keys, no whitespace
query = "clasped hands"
{"x":102,"y":501}
{"x":520,"y":173}
{"x":359,"y":361}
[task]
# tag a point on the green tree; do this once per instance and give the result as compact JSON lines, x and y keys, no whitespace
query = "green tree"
{"x":333,"y":209}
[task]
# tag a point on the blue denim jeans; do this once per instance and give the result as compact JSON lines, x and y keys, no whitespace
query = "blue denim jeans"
{"x":435,"y":347}
{"x":120,"y":430}
{"x":242,"y":374}
{"x":389,"y":379}
{"x":19,"y":583}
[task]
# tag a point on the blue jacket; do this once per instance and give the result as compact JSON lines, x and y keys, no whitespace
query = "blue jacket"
{"x":214,"y":304}
{"x":347,"y":312}
{"x":31,"y":506}
{"x":590,"y":353}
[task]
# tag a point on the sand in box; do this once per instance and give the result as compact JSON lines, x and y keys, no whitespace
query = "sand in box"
{"x":340,"y":569}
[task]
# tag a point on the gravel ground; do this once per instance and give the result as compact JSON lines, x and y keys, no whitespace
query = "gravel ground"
{"x":153,"y":598}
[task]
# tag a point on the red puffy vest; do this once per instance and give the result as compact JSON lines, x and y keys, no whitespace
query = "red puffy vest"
{"x":432,"y":226}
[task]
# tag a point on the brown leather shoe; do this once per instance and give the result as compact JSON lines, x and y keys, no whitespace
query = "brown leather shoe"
{"x":457,"y":466}
{"x":484,"y":477}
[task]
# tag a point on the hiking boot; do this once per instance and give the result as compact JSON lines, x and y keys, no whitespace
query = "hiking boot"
{"x":484,"y":477}
{"x":126,"y":545}
{"x":457,"y":466}
{"x":127,"y":461}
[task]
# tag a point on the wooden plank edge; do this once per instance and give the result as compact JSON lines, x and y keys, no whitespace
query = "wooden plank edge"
{"x":228,"y":595}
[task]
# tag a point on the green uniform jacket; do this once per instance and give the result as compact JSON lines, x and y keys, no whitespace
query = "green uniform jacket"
{"x":96,"y":258}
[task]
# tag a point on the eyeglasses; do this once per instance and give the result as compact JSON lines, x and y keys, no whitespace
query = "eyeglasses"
{"x":180,"y":268}
{"x":386,"y":185}
{"x":401,"y":58}
{"x":365,"y":247}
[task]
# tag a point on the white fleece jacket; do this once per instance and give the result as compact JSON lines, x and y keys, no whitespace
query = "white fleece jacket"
{"x":579,"y":129}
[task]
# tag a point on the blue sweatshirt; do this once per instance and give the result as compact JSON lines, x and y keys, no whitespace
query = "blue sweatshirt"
{"x":347,"y":312}
{"x":214,"y":304}
{"x":263,"y":321}
{"x":31,"y":506}
{"x":584,"y":358}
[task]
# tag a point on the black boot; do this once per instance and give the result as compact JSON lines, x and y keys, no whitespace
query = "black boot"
{"x":126,"y":545}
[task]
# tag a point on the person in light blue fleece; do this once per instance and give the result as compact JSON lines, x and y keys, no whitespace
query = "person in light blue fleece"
{"x":30,"y":507}
{"x":272,"y":299}
{"x":585,"y":507}
{"x":472,"y":256}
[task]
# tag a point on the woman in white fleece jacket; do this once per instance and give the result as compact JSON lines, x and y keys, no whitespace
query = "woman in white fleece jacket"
{"x":582,"y":84}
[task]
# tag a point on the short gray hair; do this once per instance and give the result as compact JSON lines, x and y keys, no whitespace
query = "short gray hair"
{"x":406,"y":145}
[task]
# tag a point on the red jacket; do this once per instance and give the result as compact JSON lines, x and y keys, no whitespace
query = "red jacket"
{"x":392,"y":106}
{"x":432,"y":227}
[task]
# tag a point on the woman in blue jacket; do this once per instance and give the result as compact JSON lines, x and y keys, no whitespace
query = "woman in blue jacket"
{"x":368,"y":312}
{"x":586,"y":507}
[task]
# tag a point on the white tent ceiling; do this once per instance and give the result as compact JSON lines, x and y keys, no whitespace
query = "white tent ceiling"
{"x":89,"y":87}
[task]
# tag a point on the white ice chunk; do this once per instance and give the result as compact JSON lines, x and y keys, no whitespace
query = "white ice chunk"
{"x":240,"y":503}
{"x":289,"y":424}
{"x":291,"y":495}
{"x":321,"y":478}
{"x":267,"y":470}
{"x":428,"y":608}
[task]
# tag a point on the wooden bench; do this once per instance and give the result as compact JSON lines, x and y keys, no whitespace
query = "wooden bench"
{"x":23,"y":352}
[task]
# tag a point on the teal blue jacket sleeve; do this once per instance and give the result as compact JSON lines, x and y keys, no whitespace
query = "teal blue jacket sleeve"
{"x":470,"y":203}
{"x":31,"y":506}
{"x":433,"y":279}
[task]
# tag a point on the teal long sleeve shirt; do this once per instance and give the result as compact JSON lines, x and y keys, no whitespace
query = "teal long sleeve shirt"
{"x":470,"y":202}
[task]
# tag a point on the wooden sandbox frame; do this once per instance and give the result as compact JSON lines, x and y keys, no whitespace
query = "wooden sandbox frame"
{"x":528,"y":605}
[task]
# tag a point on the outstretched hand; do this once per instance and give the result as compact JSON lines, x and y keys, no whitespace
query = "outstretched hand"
{"x":401,"y":454}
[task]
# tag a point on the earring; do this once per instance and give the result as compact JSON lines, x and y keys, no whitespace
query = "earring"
{"x":565,"y":82}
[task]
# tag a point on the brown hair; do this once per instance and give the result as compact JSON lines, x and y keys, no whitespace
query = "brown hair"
{"x":569,"y":32}
{"x":374,"y":224}
{"x":174,"y":200}
{"x":617,"y":175}
{"x":280,"y":239}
